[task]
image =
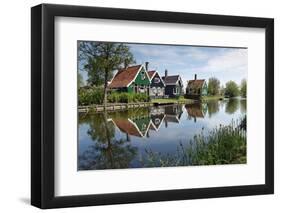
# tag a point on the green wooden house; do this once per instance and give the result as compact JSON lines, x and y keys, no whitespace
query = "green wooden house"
{"x":133,"y":79}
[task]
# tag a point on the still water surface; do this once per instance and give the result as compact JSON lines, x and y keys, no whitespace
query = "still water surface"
{"x":121,"y":139}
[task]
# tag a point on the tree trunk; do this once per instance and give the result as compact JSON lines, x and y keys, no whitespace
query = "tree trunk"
{"x":109,"y":147}
{"x":105,"y":89}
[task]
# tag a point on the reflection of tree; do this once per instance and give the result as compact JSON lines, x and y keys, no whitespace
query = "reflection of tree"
{"x":100,"y":129}
{"x":213,"y":108}
{"x":231,"y":105}
{"x":107,"y":152}
{"x":117,"y":154}
{"x":243,"y":106}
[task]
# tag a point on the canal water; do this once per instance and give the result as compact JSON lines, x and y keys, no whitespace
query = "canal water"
{"x":123,"y":139}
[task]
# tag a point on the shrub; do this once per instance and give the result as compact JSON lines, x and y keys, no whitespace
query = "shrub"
{"x":113,"y":97}
{"x":90,"y":96}
{"x":140,"y":97}
{"x":124,"y":97}
{"x":95,"y":96}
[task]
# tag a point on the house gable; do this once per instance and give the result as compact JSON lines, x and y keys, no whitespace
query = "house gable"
{"x":141,"y":78}
{"x":205,"y":89}
{"x":124,"y":77}
{"x":156,"y":81}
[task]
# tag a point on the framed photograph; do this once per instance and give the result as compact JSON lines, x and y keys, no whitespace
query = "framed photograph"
{"x":139,"y":106}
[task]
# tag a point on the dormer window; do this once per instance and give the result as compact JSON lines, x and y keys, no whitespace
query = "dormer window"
{"x":156,"y":80}
{"x":142,"y":75}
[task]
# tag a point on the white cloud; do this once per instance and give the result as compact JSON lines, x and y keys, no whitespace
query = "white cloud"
{"x":224,"y":63}
{"x":229,"y":61}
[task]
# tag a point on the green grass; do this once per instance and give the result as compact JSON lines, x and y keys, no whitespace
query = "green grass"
{"x":223,"y":145}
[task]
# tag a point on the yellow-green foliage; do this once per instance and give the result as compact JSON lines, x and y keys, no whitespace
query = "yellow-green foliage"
{"x":90,"y":96}
{"x":127,"y":97}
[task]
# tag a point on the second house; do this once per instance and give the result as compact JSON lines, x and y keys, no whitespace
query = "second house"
{"x":157,"y":85}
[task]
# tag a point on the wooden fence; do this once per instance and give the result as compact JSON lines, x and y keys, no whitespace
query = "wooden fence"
{"x":113,"y":107}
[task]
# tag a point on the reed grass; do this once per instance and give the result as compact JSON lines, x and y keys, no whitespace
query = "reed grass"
{"x":222,"y":145}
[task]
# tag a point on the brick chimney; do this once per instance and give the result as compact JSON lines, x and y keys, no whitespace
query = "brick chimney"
{"x":195,"y":77}
{"x":146,"y":65}
{"x":166,"y":73}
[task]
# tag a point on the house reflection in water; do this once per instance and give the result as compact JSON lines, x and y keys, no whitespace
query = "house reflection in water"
{"x":133,"y":126}
{"x":196,"y":110}
{"x":138,"y":125}
{"x":157,"y":115}
{"x":173,"y":114}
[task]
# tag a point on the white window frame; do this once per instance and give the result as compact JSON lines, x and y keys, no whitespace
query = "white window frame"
{"x":154,"y":90}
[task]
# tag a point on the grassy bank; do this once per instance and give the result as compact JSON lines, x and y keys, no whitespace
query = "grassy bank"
{"x":223,"y":145}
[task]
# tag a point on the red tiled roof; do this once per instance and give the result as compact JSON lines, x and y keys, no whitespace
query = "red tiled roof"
{"x":124,"y":76}
{"x":194,"y":110}
{"x":196,"y":84}
{"x":151,"y":73}
{"x":126,"y":126}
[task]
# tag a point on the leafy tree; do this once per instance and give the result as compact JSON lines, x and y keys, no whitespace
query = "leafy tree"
{"x":213,"y":86}
{"x":231,"y":89}
{"x":100,"y":59}
{"x":243,"y":88}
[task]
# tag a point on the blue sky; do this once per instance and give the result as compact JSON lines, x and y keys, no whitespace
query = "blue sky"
{"x":223,"y":63}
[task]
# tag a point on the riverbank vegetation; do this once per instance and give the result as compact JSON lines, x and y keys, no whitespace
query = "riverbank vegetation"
{"x":89,"y":96}
{"x":127,"y":97}
{"x":94,"y":95}
{"x":223,"y":145}
{"x":230,"y":90}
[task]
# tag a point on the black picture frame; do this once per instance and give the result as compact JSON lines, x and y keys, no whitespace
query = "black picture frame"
{"x":43,"y":105}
